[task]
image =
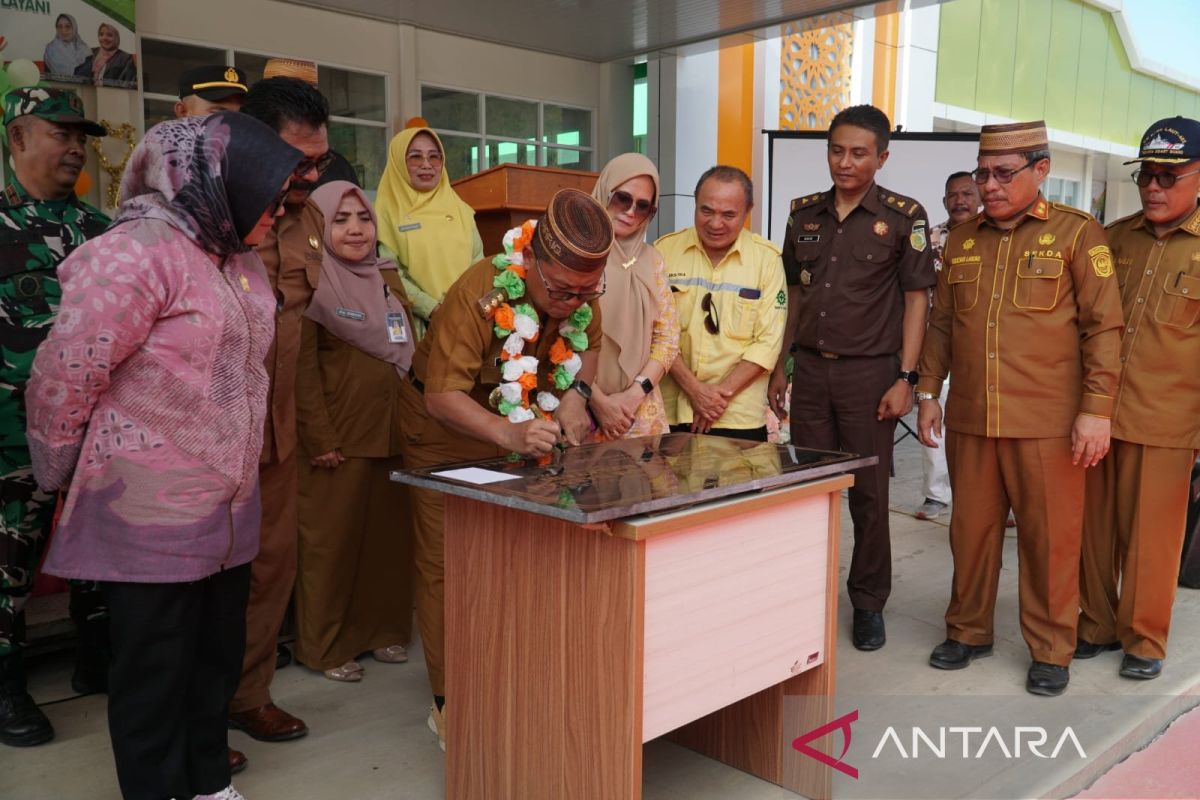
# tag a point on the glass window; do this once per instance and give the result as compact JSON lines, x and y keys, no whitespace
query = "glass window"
{"x":462,"y":155}
{"x":157,"y":111}
{"x":353,"y":94}
{"x":560,"y":125}
{"x":364,"y":146}
{"x":512,"y":119}
{"x":163,"y":62}
{"x":511,"y":153}
{"x":568,"y":159}
{"x":253,"y":65}
{"x":450,"y":110}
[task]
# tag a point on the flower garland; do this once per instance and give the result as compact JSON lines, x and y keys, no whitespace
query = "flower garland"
{"x":517,"y":325}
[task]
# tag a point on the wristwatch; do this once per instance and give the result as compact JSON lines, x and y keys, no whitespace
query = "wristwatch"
{"x":925,"y":396}
{"x":644,"y":382}
{"x":583,"y":389}
{"x":910,"y":376}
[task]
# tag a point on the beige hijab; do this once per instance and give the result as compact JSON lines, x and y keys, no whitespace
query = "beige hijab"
{"x":630,"y":305}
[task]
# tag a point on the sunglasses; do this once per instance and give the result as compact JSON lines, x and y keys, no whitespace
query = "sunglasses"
{"x":320,"y":164}
{"x":1165,"y":179}
{"x":983,"y":175}
{"x":712,"y":322}
{"x":563,"y":296}
{"x":623,"y":201}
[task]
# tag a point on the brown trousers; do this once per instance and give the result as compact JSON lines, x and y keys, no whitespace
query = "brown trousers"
{"x":1035,"y":477}
{"x":834,"y":404}
{"x":354,"y":588}
{"x":428,"y":443}
{"x":272,"y":575}
{"x":1133,"y":529}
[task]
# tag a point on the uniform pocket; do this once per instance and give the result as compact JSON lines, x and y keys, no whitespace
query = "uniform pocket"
{"x":1179,"y":303}
{"x":1038,"y":283}
{"x":738,"y":316}
{"x":964,"y":283}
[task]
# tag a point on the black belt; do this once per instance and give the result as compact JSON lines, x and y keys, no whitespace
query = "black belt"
{"x":837,"y":356}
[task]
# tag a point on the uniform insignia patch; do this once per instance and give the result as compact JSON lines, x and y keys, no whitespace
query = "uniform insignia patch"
{"x":781,"y":299}
{"x":805,"y":277}
{"x":1102,"y":262}
{"x":968,"y":244}
{"x":880,"y":228}
{"x":812,"y":226}
{"x":917,"y":237}
{"x":1046,"y":239}
{"x":900,"y":204}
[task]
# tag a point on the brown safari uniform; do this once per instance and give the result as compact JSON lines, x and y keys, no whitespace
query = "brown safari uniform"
{"x":852,"y":275}
{"x":1137,"y":498}
{"x":1027,"y":320}
{"x":292,"y":255}
{"x":460,"y":352}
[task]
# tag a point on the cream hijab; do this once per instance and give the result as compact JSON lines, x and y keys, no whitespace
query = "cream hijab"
{"x":630,"y":305}
{"x":438,"y":248}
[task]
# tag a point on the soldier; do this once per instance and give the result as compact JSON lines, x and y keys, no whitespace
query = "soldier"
{"x":1026,"y":317}
{"x":41,"y":222}
{"x":859,"y":268}
{"x":1137,"y":501}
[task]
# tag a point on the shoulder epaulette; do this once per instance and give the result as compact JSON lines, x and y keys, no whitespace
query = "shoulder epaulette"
{"x":668,"y":236}
{"x":1072,"y":210}
{"x":807,"y":200}
{"x":10,"y":197}
{"x":1193,"y":226}
{"x":905,"y":205}
{"x":1117,"y":222}
{"x":767,"y":243}
{"x":975,"y":218}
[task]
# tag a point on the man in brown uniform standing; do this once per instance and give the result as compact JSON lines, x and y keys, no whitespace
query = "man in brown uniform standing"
{"x":859,"y":267}
{"x":292,"y":256}
{"x":1026,"y":317}
{"x":1137,"y":501}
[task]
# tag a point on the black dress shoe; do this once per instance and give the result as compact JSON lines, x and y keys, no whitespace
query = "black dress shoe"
{"x":283,"y":656}
{"x":1049,"y":680}
{"x":956,"y":655}
{"x":22,"y":723}
{"x":868,"y":632}
{"x":1086,"y":649}
{"x":1141,"y":669}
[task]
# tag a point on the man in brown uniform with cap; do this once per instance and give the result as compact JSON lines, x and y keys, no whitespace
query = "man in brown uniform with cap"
{"x":1026,"y":317}
{"x":859,"y":268}
{"x":1137,"y":500}
{"x":464,"y":377}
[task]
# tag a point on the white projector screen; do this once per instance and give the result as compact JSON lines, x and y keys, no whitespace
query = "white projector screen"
{"x":917,"y":167}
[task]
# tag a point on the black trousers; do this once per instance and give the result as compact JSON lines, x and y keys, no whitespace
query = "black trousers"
{"x":748,"y":434}
{"x":177,"y":659}
{"x":833,"y":408}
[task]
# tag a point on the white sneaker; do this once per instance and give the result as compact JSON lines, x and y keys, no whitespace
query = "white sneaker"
{"x":930,"y":509}
{"x":228,"y":793}
{"x":437,"y":724}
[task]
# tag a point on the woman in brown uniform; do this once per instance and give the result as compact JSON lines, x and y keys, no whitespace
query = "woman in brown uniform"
{"x":354,"y":587}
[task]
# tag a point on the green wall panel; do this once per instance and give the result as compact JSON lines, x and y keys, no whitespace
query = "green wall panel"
{"x":1058,"y":60}
{"x":1032,"y":60}
{"x":958,"y":53}
{"x":994,"y":87}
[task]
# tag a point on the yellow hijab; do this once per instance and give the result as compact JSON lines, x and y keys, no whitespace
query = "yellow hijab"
{"x":437,"y":248}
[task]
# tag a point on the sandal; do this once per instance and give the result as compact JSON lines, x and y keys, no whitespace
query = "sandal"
{"x":350,"y":672}
{"x":392,"y":654}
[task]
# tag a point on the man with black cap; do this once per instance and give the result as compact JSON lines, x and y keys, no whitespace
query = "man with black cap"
{"x":1137,"y":500}
{"x":41,"y":223}
{"x":505,"y":367}
{"x":1026,"y":317}
{"x":205,"y":90}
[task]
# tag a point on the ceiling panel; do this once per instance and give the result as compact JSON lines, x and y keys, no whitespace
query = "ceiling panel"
{"x":595,"y":30}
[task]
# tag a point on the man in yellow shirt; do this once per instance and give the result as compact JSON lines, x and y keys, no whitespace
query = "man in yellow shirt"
{"x":729,"y":290}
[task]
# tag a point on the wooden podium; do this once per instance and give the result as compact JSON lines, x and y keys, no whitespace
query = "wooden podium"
{"x":505,"y":196}
{"x":680,"y":585}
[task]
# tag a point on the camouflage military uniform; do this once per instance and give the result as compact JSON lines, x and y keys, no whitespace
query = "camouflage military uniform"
{"x":34,"y":237}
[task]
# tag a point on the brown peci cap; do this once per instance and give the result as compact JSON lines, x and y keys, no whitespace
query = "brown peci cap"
{"x":575,"y":231}
{"x":1015,"y":137}
{"x":291,"y":68}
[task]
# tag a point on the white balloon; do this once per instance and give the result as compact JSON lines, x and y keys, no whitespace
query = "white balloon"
{"x":23,"y":72}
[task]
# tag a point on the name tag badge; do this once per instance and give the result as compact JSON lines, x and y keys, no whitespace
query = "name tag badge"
{"x":347,"y":313}
{"x":810,"y":237}
{"x":397,"y":327}
{"x":412,"y":226}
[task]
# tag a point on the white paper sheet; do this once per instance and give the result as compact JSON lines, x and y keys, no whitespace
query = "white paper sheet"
{"x":476,"y":475}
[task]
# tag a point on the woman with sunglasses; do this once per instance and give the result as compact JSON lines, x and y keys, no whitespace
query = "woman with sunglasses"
{"x":146,"y":407}
{"x":424,"y":226}
{"x":641,"y":329}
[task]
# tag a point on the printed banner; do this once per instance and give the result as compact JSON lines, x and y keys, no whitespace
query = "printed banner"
{"x":73,"y":41}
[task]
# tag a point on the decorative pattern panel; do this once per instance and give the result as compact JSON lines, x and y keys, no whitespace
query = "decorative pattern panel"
{"x":814,"y":71}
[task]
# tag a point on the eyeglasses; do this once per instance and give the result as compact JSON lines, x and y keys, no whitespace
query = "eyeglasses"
{"x":712,"y":323}
{"x":279,"y":198}
{"x":417,"y":159}
{"x":640,"y":208}
{"x":983,"y":175}
{"x":320,"y":164}
{"x":1165,"y":179}
{"x":564,"y":296}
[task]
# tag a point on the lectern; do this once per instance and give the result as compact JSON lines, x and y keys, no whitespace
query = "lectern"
{"x":681,"y":585}
{"x":505,"y":196}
